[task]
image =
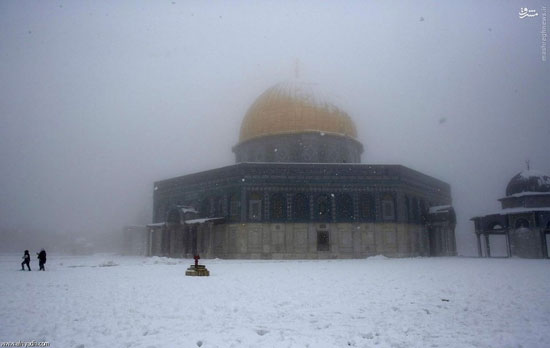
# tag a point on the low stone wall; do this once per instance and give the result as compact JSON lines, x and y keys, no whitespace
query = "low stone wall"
{"x":300,"y":240}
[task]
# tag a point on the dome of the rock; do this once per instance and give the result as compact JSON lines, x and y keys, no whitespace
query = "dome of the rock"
{"x":292,"y":122}
{"x":294,"y":107}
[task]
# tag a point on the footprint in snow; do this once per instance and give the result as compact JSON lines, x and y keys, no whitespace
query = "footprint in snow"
{"x":261,"y":332}
{"x":369,"y":336}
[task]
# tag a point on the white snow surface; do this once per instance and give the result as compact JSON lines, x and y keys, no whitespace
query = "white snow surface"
{"x":115,"y":301}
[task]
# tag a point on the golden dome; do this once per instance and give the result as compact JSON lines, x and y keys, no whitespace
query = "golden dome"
{"x":292,"y":107}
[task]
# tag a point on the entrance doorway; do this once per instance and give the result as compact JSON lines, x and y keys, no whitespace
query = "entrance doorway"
{"x":498,"y":245}
{"x":322,"y":241}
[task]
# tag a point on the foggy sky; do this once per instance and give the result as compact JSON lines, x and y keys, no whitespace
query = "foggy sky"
{"x":100,"y":99}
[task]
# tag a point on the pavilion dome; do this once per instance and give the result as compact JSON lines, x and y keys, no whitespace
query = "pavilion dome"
{"x":528,"y":181}
{"x":294,"y":107}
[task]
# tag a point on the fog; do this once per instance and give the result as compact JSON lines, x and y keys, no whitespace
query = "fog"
{"x":100,"y":99}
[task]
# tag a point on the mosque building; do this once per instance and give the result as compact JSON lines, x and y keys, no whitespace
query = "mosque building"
{"x":523,"y":222}
{"x":298,"y":190}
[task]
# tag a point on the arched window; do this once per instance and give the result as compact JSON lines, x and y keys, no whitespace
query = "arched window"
{"x":278,"y":206}
{"x":301,"y":207}
{"x":323,"y":207}
{"x":366,"y":207}
{"x":388,"y":207}
{"x":522,"y":223}
{"x":234,"y":207}
{"x":255,"y":206}
{"x":344,"y":207}
{"x":495,"y":226}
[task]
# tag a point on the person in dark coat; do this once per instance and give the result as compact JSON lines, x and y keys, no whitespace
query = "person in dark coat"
{"x":26,"y":261}
{"x":42,"y":259}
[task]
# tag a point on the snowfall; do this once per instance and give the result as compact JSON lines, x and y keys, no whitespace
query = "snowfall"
{"x":120,"y":301}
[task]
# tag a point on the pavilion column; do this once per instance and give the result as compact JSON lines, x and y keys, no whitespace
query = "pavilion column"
{"x":508,"y":246}
{"x":544,"y":248}
{"x":487,"y":247}
{"x":150,"y":242}
{"x":478,"y":245}
{"x":445,"y":240}
{"x":163,"y":242}
{"x":171,"y":242}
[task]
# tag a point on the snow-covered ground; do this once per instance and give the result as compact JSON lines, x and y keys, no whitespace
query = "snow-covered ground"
{"x":115,"y":301}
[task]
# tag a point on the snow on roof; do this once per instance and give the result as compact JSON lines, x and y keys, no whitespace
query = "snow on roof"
{"x":527,"y":193}
{"x":530,"y":173}
{"x":187,"y":209}
{"x":542,"y":178}
{"x":187,"y":222}
{"x":514,"y":211}
{"x":522,"y":210}
{"x":201,"y":221}
{"x":439,"y":209}
{"x":528,"y":181}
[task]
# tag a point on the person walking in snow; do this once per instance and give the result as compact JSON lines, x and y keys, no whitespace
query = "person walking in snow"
{"x":26,"y":261}
{"x":42,"y":259}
